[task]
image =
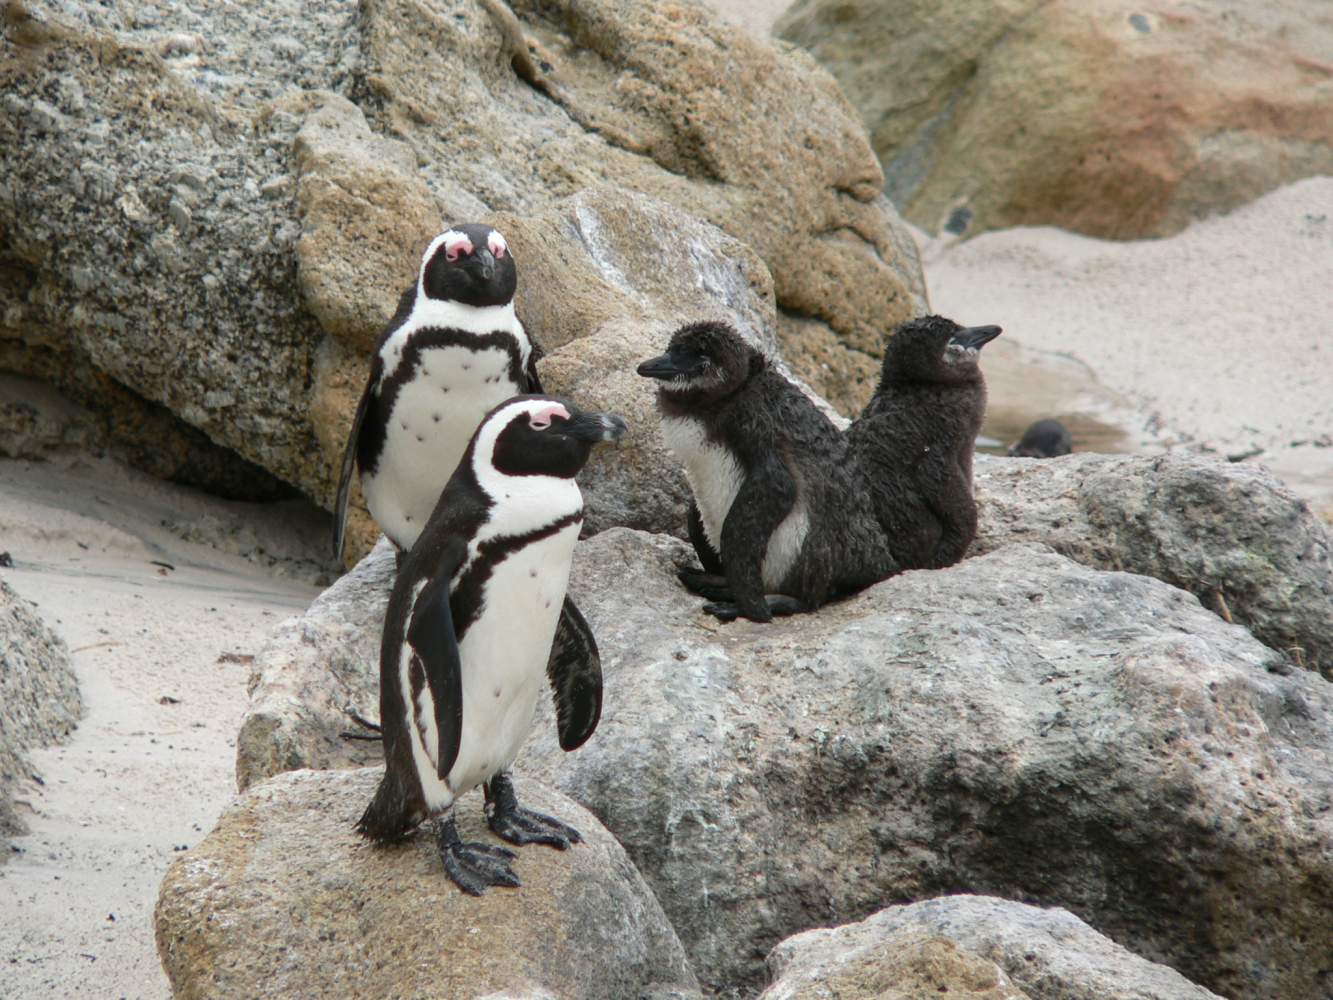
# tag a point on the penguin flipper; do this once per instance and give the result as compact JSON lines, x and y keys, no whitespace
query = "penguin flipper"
{"x":575,"y":672}
{"x":694,"y":526}
{"x":434,"y":645}
{"x":530,"y":373}
{"x":349,"y":463}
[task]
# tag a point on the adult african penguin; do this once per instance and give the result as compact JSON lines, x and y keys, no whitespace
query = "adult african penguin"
{"x":776,"y":519}
{"x":453,"y":350}
{"x":913,"y":444}
{"x":468,"y":633}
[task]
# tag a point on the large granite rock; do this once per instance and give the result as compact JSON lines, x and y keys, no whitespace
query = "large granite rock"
{"x":1231,"y":534}
{"x":1017,"y":725}
{"x":944,"y":731}
{"x":39,"y":698}
{"x":215,"y":207}
{"x":1109,"y":117}
{"x":1228,"y":533}
{"x":284,"y":899}
{"x":968,"y":946}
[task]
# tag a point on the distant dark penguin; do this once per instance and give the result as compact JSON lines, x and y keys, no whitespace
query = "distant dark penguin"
{"x":776,"y":520}
{"x":1044,"y":439}
{"x":914,"y":441}
{"x":468,"y":632}
{"x":452,"y":351}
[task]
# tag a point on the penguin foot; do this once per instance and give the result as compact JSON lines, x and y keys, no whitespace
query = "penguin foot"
{"x":474,"y":867}
{"x":705,"y":584}
{"x":776,"y":605}
{"x":375,"y":733}
{"x":513,"y":823}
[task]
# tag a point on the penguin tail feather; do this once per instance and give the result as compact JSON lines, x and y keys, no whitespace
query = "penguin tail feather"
{"x":390,"y":815}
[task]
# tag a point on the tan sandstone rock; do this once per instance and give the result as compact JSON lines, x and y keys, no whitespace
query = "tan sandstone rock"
{"x":283,"y":899}
{"x":1108,"y":117}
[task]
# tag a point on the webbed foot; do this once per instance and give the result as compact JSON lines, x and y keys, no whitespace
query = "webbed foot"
{"x":773,"y":606}
{"x":705,"y":584}
{"x":517,"y":825}
{"x":375,"y":732}
{"x":473,"y":866}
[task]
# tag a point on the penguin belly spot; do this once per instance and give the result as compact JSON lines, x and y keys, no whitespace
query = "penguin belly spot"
{"x":714,"y":475}
{"x":506,"y":649}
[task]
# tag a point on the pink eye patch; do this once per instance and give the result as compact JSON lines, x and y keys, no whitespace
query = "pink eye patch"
{"x":497,"y":246}
{"x":541,"y":419}
{"x":457,"y":247}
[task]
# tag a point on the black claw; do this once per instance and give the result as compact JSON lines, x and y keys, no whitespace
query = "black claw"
{"x":474,"y":867}
{"x":517,"y":825}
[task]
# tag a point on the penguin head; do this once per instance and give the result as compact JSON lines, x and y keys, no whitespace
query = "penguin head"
{"x":935,"y":349}
{"x":1044,"y":439}
{"x":470,"y":264}
{"x":704,"y":361}
{"x":538,"y":436}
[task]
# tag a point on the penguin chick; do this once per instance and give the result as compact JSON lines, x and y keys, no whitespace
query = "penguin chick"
{"x":1044,"y":439}
{"x":468,"y":633}
{"x":914,"y":441}
{"x":776,"y":520}
{"x":452,"y":351}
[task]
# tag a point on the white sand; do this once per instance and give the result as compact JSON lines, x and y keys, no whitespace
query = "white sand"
{"x":1223,"y":335}
{"x":140,"y":779}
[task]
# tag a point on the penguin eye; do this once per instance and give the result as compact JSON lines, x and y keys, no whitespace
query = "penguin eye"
{"x":539,"y":421}
{"x":458,"y":248}
{"x":497,"y":246}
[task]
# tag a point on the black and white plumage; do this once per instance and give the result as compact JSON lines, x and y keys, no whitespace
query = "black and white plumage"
{"x":468,"y":635}
{"x":915,"y":440}
{"x":453,"y":350}
{"x":776,"y":520}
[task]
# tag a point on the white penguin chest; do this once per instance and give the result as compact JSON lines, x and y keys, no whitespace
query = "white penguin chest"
{"x":433,"y":416}
{"x":504,"y":655}
{"x":715,"y":478}
{"x":714,"y":475}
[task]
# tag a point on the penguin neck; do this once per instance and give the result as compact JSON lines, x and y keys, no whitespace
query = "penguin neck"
{"x":447,"y":314}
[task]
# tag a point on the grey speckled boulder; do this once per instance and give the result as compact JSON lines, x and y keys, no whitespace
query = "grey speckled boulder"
{"x":283,"y":899}
{"x":1018,"y":725}
{"x":39,"y":697}
{"x":1231,"y":534}
{"x":968,"y":946}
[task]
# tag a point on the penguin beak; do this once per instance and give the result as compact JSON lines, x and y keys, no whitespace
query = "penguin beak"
{"x":974,"y":337}
{"x":659,"y":367}
{"x":595,"y":427}
{"x":487,"y":260}
{"x":664,"y":367}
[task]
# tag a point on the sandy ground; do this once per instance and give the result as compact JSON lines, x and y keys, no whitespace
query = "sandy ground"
{"x":1221,"y":337}
{"x":162,"y":657}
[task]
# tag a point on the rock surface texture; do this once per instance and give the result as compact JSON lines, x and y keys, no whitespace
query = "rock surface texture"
{"x":39,"y":698}
{"x":968,"y":946}
{"x":1107,"y":117}
{"x":945,"y":731}
{"x":284,"y":899}
{"x":1231,"y":534}
{"x":213,"y":210}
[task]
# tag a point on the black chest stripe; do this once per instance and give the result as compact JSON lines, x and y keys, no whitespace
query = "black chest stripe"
{"x":466,"y":600}
{"x":379,"y":409}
